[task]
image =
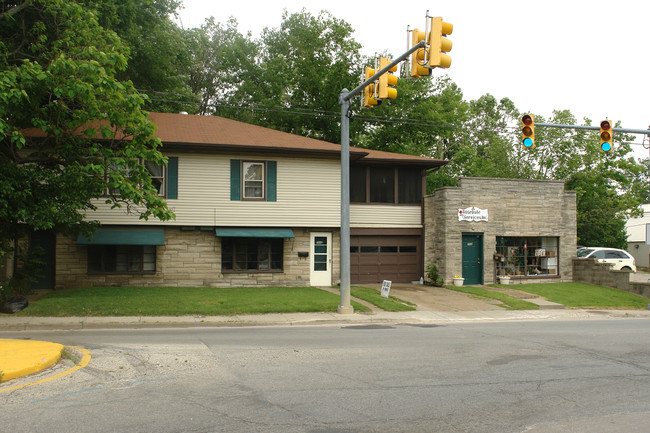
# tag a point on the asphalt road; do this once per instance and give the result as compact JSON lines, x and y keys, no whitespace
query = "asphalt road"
{"x":579,"y":376}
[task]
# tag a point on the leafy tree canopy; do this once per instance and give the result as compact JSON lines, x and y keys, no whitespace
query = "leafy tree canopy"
{"x":70,"y":131}
{"x":158,"y":60}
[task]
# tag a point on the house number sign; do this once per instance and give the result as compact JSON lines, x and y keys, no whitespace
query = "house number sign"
{"x":472,"y":213}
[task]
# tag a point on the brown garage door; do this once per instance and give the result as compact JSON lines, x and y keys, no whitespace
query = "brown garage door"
{"x":377,"y":258}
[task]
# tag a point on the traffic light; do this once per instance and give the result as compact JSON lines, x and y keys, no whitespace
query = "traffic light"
{"x":528,"y":131}
{"x":606,"y":136}
{"x":369,"y":93}
{"x":418,"y":62}
{"x":387,"y":80}
{"x":439,"y":45}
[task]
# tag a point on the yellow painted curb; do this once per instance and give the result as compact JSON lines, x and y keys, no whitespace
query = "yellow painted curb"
{"x":85,"y":360}
{"x":20,"y":358}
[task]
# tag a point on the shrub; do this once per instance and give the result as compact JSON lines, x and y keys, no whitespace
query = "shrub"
{"x":434,"y":278}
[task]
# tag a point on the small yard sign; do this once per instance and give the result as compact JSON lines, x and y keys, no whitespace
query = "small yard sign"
{"x":385,"y":288}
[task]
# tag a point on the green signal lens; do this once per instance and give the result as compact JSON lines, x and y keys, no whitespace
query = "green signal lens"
{"x":528,"y":142}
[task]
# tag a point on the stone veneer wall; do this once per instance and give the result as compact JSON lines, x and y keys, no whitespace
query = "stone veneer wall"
{"x":515,"y":208}
{"x":191,"y":258}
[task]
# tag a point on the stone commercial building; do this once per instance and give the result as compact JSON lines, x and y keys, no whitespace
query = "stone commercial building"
{"x":485,"y":228}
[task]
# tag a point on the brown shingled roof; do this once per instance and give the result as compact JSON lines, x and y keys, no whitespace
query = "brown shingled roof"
{"x":178,"y":131}
{"x":211,"y":133}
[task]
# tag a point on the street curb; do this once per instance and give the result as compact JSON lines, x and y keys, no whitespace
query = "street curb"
{"x":13,"y":323}
{"x":20,"y":358}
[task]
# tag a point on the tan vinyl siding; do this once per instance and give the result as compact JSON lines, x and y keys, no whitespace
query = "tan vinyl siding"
{"x":389,"y":216}
{"x":308,"y":194}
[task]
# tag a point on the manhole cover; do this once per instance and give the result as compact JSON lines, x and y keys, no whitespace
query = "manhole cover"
{"x":369,"y":327}
{"x":421,"y":325}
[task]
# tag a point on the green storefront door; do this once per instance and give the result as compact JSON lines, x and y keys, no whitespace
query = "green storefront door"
{"x":472,"y":258}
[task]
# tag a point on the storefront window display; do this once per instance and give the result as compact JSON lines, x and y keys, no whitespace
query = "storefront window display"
{"x":527,"y":256}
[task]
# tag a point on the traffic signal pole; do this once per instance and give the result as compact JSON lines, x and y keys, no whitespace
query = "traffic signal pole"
{"x":345,"y":307}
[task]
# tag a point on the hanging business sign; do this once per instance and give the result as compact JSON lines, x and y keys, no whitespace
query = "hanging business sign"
{"x":472,"y":214}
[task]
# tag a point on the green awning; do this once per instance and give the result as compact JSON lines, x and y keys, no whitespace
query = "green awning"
{"x":253,"y":233}
{"x":125,"y":236}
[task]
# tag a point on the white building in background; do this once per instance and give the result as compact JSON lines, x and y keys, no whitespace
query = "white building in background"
{"x":636,"y":237}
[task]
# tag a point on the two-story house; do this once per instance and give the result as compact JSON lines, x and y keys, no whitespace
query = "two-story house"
{"x":255,"y":206}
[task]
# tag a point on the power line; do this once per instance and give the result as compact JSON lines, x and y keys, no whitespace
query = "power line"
{"x":334,"y":115}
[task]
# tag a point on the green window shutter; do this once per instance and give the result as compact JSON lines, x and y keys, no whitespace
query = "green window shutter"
{"x":271,"y":180}
{"x":235,"y":179}
{"x":172,"y":177}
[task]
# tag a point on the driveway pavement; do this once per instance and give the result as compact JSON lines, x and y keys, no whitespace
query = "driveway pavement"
{"x":640,"y":277}
{"x":429,"y":298}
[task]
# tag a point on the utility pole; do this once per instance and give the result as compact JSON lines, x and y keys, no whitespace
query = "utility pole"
{"x":345,"y":96}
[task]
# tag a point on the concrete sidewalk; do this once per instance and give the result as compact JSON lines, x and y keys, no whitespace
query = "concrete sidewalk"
{"x":15,"y":323}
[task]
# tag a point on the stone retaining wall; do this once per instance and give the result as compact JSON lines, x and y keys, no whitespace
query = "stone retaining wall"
{"x":593,"y":272}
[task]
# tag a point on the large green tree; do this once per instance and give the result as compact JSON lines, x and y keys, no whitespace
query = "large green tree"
{"x":70,"y":131}
{"x":298,"y":75}
{"x":158,"y":59}
{"x":222,"y":59}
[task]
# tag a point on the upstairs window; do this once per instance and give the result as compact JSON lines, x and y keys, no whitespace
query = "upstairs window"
{"x":163,"y":178}
{"x":157,"y":174}
{"x":409,"y":185}
{"x":382,"y":185}
{"x":385,"y":185}
{"x":253,"y":180}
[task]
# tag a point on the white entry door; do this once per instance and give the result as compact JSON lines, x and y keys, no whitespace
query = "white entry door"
{"x":320,"y":259}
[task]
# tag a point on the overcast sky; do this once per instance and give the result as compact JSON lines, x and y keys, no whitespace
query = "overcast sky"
{"x":590,"y":57}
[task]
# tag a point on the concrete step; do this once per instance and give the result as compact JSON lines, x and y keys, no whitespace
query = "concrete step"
{"x":546,"y":305}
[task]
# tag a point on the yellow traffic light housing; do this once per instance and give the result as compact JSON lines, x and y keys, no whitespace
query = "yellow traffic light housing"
{"x":528,"y":131}
{"x":369,"y":92}
{"x":606,"y":136}
{"x":439,"y":45}
{"x":387,"y":80}
{"x":418,"y":62}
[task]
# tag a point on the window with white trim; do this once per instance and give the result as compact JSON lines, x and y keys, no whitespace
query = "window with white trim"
{"x":157,"y":173}
{"x":253,"y":180}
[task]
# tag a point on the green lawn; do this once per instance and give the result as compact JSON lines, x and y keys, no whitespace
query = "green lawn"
{"x":582,"y":295}
{"x":179,"y":301}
